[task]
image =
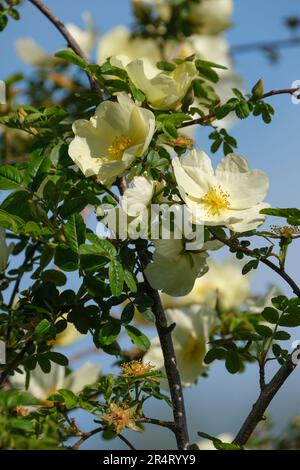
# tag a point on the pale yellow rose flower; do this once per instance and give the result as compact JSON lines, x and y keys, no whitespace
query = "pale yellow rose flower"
{"x":118,"y":41}
{"x":190,"y":339}
{"x":232,"y":195}
{"x":107,"y":144}
{"x":164,"y":90}
{"x":223,"y":282}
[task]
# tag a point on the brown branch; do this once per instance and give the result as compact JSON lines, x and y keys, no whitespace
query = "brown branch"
{"x":71,"y":42}
{"x":268,"y":391}
{"x":209,"y":117}
{"x":158,"y":422}
{"x":280,"y":271}
{"x":264,"y":399}
{"x":266,"y":45}
{"x":85,"y":436}
{"x":180,"y":425}
{"x":126,"y":441}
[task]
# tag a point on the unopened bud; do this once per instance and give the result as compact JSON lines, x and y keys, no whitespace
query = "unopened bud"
{"x":258,"y":90}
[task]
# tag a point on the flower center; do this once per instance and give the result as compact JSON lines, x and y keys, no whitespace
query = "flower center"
{"x":216,"y":200}
{"x":194,"y":349}
{"x":116,"y":149}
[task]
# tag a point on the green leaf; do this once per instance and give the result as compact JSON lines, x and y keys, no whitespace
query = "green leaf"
{"x":232,"y":362}
{"x":290,"y":320}
{"x":169,"y":129}
{"x":226,"y":446}
{"x":10,"y":178}
{"x":10,"y":222}
{"x":213,"y":354}
{"x":43,"y":328}
{"x":276,"y":350}
{"x":104,"y":247}
{"x":58,"y":358}
{"x":53,"y":275}
{"x":74,"y":231}
{"x":72,"y":58}
{"x":73,"y":205}
{"x":66,"y":259}
{"x":3,"y":22}
{"x":44,"y":363}
{"x":264,"y":331}
{"x":206,"y":71}
{"x":137,"y":94}
{"x":128,"y":313}
{"x":147,"y":314}
{"x":130,"y":281}
{"x":242,"y":110}
{"x":253,"y":264}
{"x":116,"y":277}
{"x":282,"y":336}
{"x":270,"y":315}
{"x":138,"y":338}
{"x":37,"y":169}
{"x":166,"y":66}
{"x":280,"y":302}
{"x":285,"y":213}
{"x":109,"y":332}
{"x":69,"y":398}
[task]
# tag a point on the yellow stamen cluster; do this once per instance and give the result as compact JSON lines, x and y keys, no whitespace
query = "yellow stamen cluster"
{"x":183,"y":142}
{"x":215,"y":200}
{"x":285,"y":231}
{"x":22,"y":411}
{"x":136,"y":368}
{"x":119,"y":417}
{"x":118,"y":146}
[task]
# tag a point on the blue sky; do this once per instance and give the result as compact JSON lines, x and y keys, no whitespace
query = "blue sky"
{"x":273,"y":148}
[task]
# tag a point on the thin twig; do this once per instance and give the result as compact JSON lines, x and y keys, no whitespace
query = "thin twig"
{"x":85,"y":436}
{"x":71,"y":42}
{"x":209,"y":117}
{"x":265,"y":45}
{"x":126,"y":441}
{"x":282,"y":273}
{"x":158,"y":422}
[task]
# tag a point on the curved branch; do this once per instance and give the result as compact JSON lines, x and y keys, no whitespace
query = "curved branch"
{"x":266,"y":45}
{"x":267,"y":394}
{"x":71,"y":41}
{"x":268,"y":391}
{"x":208,"y":117}
{"x":126,"y":441}
{"x":85,"y":436}
{"x":280,"y":271}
